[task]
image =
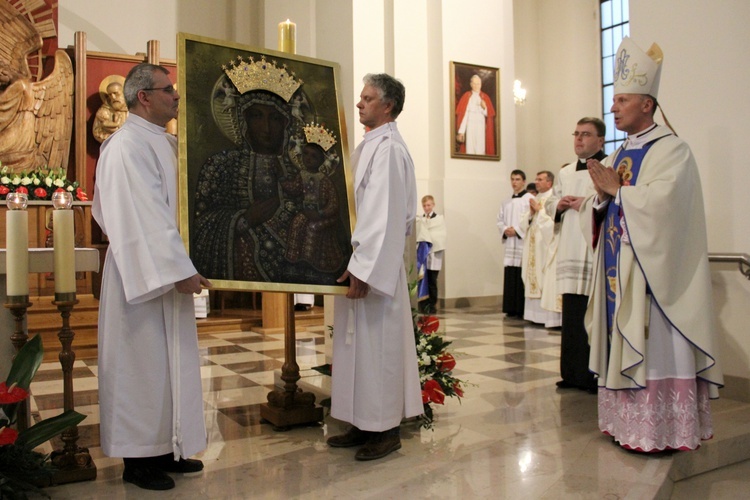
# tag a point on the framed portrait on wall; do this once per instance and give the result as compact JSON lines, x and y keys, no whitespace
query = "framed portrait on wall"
{"x":265,"y":191}
{"x":475,"y":111}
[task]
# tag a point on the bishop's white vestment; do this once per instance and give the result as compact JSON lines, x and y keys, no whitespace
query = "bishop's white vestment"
{"x":150,"y":398}
{"x":650,"y":315}
{"x":375,"y":373}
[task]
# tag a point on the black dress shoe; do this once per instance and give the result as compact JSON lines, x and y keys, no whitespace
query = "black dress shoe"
{"x":167,"y":463}
{"x":562,"y":384}
{"x":147,"y":477}
{"x":379,"y":445}
{"x":352,"y":437}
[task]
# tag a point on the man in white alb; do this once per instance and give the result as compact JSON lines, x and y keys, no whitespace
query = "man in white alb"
{"x":375,"y":381}
{"x":150,"y":398}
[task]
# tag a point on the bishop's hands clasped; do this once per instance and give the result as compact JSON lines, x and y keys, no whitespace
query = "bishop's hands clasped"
{"x":605,"y":179}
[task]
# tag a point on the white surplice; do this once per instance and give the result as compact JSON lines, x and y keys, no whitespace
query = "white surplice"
{"x":375,"y":373}
{"x":150,"y":397}
{"x":510,"y":216}
{"x":574,"y":256}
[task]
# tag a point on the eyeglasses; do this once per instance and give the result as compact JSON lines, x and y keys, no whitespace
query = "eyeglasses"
{"x":584,"y":135}
{"x":169,"y":89}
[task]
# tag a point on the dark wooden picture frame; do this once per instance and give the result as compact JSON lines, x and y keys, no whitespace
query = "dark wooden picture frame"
{"x":480,"y":138}
{"x":265,"y":199}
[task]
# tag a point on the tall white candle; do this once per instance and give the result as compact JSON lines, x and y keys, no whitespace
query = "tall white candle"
{"x":17,"y":252}
{"x":64,"y":241}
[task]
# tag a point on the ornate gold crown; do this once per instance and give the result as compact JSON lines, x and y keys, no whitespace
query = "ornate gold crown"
{"x":317,"y":134}
{"x":263,"y":75}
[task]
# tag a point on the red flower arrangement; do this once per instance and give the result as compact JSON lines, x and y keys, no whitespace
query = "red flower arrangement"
{"x":436,"y":366}
{"x":38,"y":184}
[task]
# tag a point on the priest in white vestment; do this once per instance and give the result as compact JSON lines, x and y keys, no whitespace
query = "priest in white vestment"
{"x":542,"y":303}
{"x":150,"y":398}
{"x":375,"y":380}
{"x":650,"y":317}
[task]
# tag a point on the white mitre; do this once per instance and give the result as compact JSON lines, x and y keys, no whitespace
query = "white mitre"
{"x":636,"y":71}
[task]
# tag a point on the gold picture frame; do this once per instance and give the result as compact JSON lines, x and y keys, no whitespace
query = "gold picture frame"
{"x":265,"y":185}
{"x":479,"y":139}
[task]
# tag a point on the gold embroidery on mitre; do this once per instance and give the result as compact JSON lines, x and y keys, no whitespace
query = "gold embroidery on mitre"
{"x":317,"y":134}
{"x":262,"y":75}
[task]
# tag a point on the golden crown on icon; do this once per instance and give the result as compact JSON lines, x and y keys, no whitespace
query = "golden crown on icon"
{"x":262,"y":75}
{"x":317,"y":134}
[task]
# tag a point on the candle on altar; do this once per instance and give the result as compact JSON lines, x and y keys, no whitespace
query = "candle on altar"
{"x":288,"y":37}
{"x":17,"y":245}
{"x":64,"y":242}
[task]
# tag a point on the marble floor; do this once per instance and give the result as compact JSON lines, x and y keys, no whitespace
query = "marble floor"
{"x":513,"y":435}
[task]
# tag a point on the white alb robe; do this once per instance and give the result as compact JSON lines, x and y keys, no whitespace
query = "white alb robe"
{"x":543,"y":303}
{"x":375,"y":373}
{"x":150,"y":397}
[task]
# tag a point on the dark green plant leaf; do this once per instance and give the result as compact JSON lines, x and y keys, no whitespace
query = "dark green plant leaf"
{"x":47,"y":429}
{"x":26,"y":363}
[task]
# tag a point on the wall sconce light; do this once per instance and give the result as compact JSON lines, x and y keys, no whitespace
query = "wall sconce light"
{"x":519,"y":93}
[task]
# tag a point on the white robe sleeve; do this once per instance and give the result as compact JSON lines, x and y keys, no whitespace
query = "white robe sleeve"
{"x":383,"y":218}
{"x":131,"y":207}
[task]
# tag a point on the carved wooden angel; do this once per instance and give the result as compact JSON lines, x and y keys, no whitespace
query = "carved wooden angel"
{"x":36,"y":118}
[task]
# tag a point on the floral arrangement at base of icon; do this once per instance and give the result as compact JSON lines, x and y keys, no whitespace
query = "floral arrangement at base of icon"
{"x":436,"y":366}
{"x":39,"y":184}
{"x":21,"y":468}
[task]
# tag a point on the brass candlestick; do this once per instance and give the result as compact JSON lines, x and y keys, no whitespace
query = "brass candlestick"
{"x":18,"y":305}
{"x":74,"y":463}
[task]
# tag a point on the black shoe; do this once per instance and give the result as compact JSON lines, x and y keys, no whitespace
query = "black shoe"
{"x":167,"y":463}
{"x":379,"y":445}
{"x":147,"y":477}
{"x":562,"y":384}
{"x":592,"y":390}
{"x":352,"y":437}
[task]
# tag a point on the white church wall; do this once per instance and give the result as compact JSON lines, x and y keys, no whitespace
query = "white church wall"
{"x":480,"y":33}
